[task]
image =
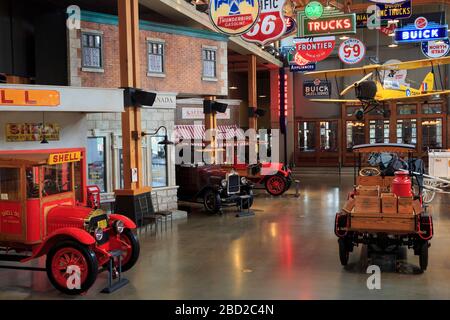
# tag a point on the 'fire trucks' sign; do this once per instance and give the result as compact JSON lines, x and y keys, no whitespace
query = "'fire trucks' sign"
{"x":271,"y":23}
{"x":328,"y":25}
{"x":58,"y":158}
{"x":233,"y":17}
{"x":315,"y":49}
{"x":29,"y":97}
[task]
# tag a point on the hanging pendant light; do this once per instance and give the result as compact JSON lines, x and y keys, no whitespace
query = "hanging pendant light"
{"x":44,"y":139}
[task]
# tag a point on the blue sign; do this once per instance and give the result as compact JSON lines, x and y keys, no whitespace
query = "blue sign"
{"x":307,"y":67}
{"x":412,"y":34}
{"x":408,"y":92}
{"x":389,"y":11}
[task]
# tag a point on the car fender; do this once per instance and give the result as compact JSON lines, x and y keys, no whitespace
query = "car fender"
{"x":71,"y":233}
{"x":128,"y":223}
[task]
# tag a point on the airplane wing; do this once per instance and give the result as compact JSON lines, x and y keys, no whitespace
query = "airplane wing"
{"x":423,"y":95}
{"x":416,"y":64}
{"x":335,"y":100}
{"x":344,"y":72}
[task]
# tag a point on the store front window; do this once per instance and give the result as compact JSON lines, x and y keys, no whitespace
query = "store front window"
{"x":407,"y":131}
{"x":96,"y":161}
{"x":355,"y":134}
{"x":406,"y":109}
{"x":431,"y":134}
{"x":9,"y":184}
{"x":159,"y":162}
{"x":329,"y":136}
{"x":379,"y":131}
{"x":432,"y":108}
{"x":306,"y":136}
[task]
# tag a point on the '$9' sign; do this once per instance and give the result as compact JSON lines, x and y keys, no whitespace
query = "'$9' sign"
{"x":270,"y":25}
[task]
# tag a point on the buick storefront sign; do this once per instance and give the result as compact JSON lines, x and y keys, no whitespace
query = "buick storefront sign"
{"x":316,"y":88}
{"x":421,"y":30}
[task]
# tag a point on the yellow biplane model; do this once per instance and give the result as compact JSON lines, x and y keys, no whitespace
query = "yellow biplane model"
{"x":372,"y":94}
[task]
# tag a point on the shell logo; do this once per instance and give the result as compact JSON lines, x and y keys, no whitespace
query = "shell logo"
{"x":234,"y":17}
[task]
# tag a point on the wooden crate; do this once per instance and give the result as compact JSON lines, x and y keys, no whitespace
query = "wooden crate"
{"x":349,"y":205}
{"x":387,"y":183}
{"x":405,"y":205}
{"x":373,"y":191}
{"x":368,"y":204}
{"x":382,"y":222}
{"x":388,"y":203}
{"x":369,"y":181}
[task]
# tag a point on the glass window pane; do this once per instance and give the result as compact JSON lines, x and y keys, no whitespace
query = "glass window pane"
{"x":329,"y":136}
{"x":406,"y":109}
{"x":431,"y":134}
{"x":407,"y":131}
{"x":32,"y":175}
{"x":351,"y":110}
{"x":355,"y":134}
{"x":57,"y":179}
{"x":432,"y":108}
{"x":97,"y":41}
{"x":307,"y":136}
{"x":379,"y":131}
{"x":9,"y":184}
{"x":159,"y":162}
{"x":96,"y":161}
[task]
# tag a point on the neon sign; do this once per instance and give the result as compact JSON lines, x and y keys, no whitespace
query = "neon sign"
{"x":314,"y":10}
{"x":413,"y":34}
{"x":329,"y":25}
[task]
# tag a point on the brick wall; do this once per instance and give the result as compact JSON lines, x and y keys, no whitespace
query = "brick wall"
{"x":182,"y":65}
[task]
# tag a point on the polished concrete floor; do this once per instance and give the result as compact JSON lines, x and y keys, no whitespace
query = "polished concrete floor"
{"x":286,"y":251}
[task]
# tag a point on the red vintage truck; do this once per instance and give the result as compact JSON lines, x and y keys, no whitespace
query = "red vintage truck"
{"x":43,"y":211}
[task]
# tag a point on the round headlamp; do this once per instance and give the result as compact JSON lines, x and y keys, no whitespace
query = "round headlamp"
{"x":244,"y":180}
{"x":223,"y":183}
{"x":119,"y":226}
{"x":98,"y":233}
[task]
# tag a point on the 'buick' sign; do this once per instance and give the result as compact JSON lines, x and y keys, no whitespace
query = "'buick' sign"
{"x":316,"y":88}
{"x":315,"y":49}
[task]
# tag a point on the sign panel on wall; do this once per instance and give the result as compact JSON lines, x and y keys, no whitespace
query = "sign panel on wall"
{"x":401,"y":10}
{"x":352,"y":51}
{"x":291,"y":25}
{"x":421,"y":30}
{"x":19,"y":132}
{"x":270,"y":25}
{"x":29,"y":97}
{"x":435,"y":49}
{"x":327,"y":25}
{"x":310,"y":66}
{"x":195,"y":113}
{"x":233,"y":17}
{"x":316,"y":88}
{"x":313,"y":10}
{"x":315,"y":49}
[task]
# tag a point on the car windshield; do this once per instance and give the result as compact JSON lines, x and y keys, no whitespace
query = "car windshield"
{"x":57,"y":179}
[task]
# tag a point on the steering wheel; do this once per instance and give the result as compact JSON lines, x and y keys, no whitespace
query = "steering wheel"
{"x":369,"y":172}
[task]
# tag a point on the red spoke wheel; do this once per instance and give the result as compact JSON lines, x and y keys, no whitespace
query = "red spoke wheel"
{"x":130,"y":249}
{"x":63,"y":262}
{"x":276,"y":185}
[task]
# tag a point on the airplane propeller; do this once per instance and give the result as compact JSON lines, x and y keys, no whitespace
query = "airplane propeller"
{"x":355,"y":84}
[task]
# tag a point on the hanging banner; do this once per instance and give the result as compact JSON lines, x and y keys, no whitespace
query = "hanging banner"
{"x":315,"y":49}
{"x":421,"y":30}
{"x":327,"y":25}
{"x":435,"y":49}
{"x":316,"y":88}
{"x":19,"y":132}
{"x":401,"y":10}
{"x":270,"y":25}
{"x":351,"y":51}
{"x":233,"y":17}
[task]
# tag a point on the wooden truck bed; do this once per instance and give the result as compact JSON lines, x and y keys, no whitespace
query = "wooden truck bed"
{"x":383,"y":222}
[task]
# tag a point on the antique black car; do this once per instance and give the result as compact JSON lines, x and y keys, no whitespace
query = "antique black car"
{"x":213,"y":186}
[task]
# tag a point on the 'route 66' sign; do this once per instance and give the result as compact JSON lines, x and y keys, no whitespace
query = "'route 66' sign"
{"x":271,"y":23}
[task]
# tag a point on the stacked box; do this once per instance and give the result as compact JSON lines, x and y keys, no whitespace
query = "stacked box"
{"x":405,"y":205}
{"x":373,"y":191}
{"x":388,"y":203}
{"x":367,"y":204}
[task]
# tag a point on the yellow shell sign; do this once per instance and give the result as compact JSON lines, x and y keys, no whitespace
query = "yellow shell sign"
{"x":233,"y":17}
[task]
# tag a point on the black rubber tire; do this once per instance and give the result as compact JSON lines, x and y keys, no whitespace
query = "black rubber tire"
{"x":271,"y":192}
{"x":423,"y":255}
{"x":135,"y":247}
{"x":91,"y":260}
{"x":343,"y":251}
{"x":215,"y":205}
{"x":247,"y":203}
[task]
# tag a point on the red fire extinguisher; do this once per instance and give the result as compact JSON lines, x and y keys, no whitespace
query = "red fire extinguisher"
{"x":401,"y":185}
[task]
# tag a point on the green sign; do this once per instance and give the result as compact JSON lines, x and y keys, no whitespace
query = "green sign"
{"x":328,"y":25}
{"x":314,"y":10}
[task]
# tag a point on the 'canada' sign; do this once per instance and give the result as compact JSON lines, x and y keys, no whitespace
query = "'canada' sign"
{"x":271,"y":23}
{"x":315,"y":49}
{"x":328,"y":25}
{"x":233,"y":17}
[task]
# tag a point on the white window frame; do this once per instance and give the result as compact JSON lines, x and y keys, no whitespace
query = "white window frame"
{"x":209,"y":48}
{"x":102,"y":61}
{"x":152,"y":73}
